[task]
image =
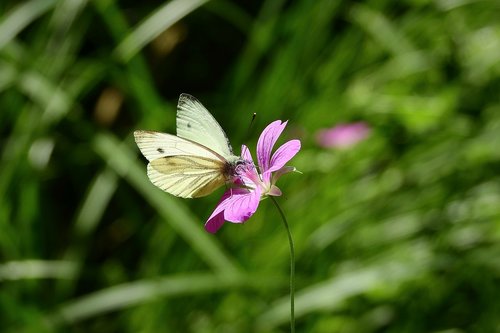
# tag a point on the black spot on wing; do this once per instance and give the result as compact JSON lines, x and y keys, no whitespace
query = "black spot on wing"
{"x":160,"y":150}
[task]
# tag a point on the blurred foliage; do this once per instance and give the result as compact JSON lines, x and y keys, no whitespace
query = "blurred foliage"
{"x":397,"y":234}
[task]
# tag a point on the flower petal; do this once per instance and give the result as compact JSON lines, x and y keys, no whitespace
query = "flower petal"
{"x":241,"y":205}
{"x":245,"y":153}
{"x":216,"y":220}
{"x":266,"y":143}
{"x":284,"y":154}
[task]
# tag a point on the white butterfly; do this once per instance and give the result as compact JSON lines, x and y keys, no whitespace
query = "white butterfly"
{"x":195,"y":162}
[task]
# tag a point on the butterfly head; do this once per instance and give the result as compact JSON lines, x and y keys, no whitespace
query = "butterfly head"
{"x":236,"y":172}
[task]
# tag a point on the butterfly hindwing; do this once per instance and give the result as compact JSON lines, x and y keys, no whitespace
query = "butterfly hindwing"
{"x":187,"y":176}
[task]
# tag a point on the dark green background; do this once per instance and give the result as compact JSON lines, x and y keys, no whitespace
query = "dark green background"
{"x":397,"y":234}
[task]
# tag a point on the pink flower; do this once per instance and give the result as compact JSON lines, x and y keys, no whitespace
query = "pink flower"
{"x":239,"y":203}
{"x":343,"y":136}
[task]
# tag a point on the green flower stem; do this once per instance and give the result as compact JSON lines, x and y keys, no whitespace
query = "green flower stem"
{"x":292,"y":267}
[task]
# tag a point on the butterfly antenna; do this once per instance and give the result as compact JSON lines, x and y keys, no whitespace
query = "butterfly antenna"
{"x":249,"y":130}
{"x":250,"y":127}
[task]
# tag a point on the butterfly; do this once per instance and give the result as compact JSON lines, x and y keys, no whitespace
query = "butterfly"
{"x":194,"y":163}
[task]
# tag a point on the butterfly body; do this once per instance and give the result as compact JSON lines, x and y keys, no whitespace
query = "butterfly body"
{"x":196,"y":161}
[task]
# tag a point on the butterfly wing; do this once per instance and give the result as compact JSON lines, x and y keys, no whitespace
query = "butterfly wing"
{"x":154,"y":145}
{"x":187,"y":176}
{"x":179,"y":166}
{"x":195,"y":123}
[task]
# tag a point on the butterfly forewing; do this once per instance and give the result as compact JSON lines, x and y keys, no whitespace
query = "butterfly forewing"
{"x":154,"y":145}
{"x":195,"y":123}
{"x":187,"y":176}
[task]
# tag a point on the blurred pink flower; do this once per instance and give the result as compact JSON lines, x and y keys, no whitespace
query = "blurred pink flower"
{"x":343,"y":136}
{"x":239,"y":203}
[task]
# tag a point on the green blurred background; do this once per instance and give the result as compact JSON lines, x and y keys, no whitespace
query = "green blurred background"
{"x":399,"y":233}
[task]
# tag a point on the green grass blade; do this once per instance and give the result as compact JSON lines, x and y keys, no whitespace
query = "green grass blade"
{"x":135,"y":293}
{"x":37,"y":269}
{"x":160,"y":20}
{"x":20,"y":17}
